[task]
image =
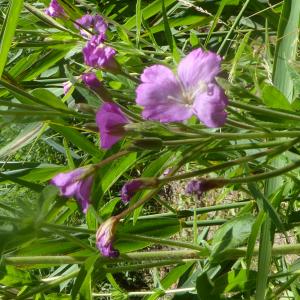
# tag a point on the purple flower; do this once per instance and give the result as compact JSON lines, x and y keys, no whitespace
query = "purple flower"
{"x":95,"y":24}
{"x":70,"y":185}
{"x":105,"y":236}
{"x":55,"y":10}
{"x":130,"y":188}
{"x":91,"y":80}
{"x":97,"y":55}
{"x":167,"y":97}
{"x":67,"y":86}
{"x":110,"y":121}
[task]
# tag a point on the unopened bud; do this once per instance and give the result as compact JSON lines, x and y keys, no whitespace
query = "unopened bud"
{"x":86,"y":108}
{"x":148,"y":143}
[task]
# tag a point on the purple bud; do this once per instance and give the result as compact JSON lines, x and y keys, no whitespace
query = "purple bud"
{"x":95,"y":24}
{"x":91,"y":80}
{"x":67,"y":86}
{"x":130,"y":188}
{"x":98,"y":55}
{"x":110,"y":121}
{"x":71,"y":185}
{"x":105,"y":236}
{"x":198,"y":187}
{"x":55,"y":10}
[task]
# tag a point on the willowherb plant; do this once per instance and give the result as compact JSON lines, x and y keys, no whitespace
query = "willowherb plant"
{"x":150,"y":87}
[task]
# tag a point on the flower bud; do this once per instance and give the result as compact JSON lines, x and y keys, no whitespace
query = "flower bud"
{"x":130,"y":188}
{"x":105,"y":236}
{"x":198,"y":187}
{"x":148,"y":143}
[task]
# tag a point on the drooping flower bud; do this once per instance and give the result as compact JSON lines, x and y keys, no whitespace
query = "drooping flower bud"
{"x":198,"y":187}
{"x":91,"y":81}
{"x":67,"y":86}
{"x":130,"y":188}
{"x":110,"y":121}
{"x":70,"y":184}
{"x":55,"y":10}
{"x":105,"y":236}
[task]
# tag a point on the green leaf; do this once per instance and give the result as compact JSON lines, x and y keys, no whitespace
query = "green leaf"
{"x":77,"y":139}
{"x":235,"y":281}
{"x":49,"y":98}
{"x":232,"y":234}
{"x":147,"y":12}
{"x":273,"y":98}
{"x":8,"y":30}
{"x":286,"y":47}
{"x":162,"y":227}
{"x":10,"y":276}
{"x":82,"y":285}
{"x":25,"y":137}
{"x":205,"y":288}
{"x":138,"y":21}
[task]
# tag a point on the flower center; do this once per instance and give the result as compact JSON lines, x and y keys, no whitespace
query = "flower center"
{"x":190,"y":94}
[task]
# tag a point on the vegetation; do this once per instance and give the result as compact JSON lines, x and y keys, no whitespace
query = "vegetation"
{"x":191,"y":189}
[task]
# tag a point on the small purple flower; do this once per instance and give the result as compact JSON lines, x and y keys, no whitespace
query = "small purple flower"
{"x":130,"y":188}
{"x":95,"y":24}
{"x":70,"y":185}
{"x":55,"y":10}
{"x":167,"y":97}
{"x":105,"y":236}
{"x":110,"y":121}
{"x":98,"y":55}
{"x":67,"y":86}
{"x":91,"y":80}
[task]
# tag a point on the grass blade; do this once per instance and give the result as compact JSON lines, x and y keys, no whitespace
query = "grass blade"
{"x":8,"y":31}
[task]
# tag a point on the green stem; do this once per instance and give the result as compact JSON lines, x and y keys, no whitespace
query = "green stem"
{"x":235,"y":23}
{"x":231,"y":163}
{"x":47,"y":285}
{"x":233,"y":136}
{"x":144,"y":256}
{"x":202,"y":210}
{"x":204,"y":223}
{"x":266,"y":111}
{"x":145,"y":293}
{"x":160,"y":241}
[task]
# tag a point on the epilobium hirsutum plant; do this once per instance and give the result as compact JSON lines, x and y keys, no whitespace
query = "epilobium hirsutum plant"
{"x":173,"y":127}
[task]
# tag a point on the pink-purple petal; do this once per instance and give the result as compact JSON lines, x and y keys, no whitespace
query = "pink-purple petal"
{"x":197,"y":66}
{"x":210,"y":106}
{"x":110,"y":121}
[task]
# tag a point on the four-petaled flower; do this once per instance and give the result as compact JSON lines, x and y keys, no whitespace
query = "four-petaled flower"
{"x":55,"y":10}
{"x":110,"y":121}
{"x":94,"y":24}
{"x":167,"y":97}
{"x":105,"y":236}
{"x":71,"y":185}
